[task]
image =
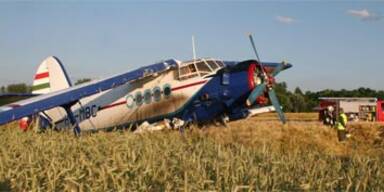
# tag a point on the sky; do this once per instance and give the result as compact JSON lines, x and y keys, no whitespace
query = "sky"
{"x":331,"y":44}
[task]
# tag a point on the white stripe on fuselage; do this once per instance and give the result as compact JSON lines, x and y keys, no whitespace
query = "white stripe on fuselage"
{"x":41,"y":81}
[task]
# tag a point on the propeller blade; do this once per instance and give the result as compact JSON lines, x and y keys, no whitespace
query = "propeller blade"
{"x":257,"y":55}
{"x":276,"y":104}
{"x":254,"y":48}
{"x":256,"y":92}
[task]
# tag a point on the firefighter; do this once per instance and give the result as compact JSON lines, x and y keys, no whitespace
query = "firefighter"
{"x":342,"y":126}
{"x":329,"y":116}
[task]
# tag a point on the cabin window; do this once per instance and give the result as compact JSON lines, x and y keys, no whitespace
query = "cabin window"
{"x":157,"y":93}
{"x":130,"y":101}
{"x":147,"y":96}
{"x":212,"y":64}
{"x":139,"y":99}
{"x":167,"y":90}
{"x":382,"y":107}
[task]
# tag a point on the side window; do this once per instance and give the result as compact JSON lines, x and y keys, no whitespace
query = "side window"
{"x":157,"y":93}
{"x":167,"y":90}
{"x":382,"y":107}
{"x":192,"y":68}
{"x":184,"y":70}
{"x":139,"y":98}
{"x":147,"y":96}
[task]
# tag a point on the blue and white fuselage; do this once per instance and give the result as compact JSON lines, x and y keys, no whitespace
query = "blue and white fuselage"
{"x":197,"y":91}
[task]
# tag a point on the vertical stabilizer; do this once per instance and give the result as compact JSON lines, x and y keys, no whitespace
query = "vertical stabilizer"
{"x":50,"y":76}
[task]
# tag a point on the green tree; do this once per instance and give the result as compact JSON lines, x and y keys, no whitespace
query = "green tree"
{"x":298,"y":91}
{"x":17,"y":88}
{"x":2,"y":89}
{"x":284,"y":96}
{"x":298,"y":103}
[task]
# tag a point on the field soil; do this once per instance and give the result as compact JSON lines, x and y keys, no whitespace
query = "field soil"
{"x":255,"y":154}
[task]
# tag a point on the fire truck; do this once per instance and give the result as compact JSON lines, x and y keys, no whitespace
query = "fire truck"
{"x":356,"y":108}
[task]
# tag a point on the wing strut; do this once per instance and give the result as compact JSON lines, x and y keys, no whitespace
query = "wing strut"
{"x":72,"y":119}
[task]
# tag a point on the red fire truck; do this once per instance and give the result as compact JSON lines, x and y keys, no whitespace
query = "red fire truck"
{"x":380,"y":111}
{"x":356,"y":108}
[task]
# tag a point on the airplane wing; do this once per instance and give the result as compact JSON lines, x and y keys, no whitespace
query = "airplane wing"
{"x":71,"y":95}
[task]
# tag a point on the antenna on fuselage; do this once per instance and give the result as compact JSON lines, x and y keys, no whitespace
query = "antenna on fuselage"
{"x":193,"y":48}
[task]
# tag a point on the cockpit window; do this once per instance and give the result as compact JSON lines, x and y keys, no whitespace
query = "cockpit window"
{"x":221,"y":64}
{"x":203,"y":68}
{"x":188,"y":71}
{"x":212,"y":64}
{"x":200,"y":67}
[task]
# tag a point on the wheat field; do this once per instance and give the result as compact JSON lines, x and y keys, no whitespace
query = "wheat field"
{"x":248,"y":155}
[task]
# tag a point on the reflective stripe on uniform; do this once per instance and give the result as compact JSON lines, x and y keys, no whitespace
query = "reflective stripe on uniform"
{"x":342,"y":122}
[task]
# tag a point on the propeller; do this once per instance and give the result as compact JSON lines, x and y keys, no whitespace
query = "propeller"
{"x":265,"y":84}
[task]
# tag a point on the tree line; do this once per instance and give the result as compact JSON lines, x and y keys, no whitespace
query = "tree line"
{"x":24,"y":88}
{"x":297,"y":101}
{"x":292,"y":101}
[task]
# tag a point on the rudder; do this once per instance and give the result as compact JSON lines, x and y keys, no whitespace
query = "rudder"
{"x":50,"y":76}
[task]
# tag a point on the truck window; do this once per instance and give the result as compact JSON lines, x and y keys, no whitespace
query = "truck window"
{"x":382,"y":107}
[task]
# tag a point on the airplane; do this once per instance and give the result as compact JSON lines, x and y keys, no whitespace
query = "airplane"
{"x":199,"y":90}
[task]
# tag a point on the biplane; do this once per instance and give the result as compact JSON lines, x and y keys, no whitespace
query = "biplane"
{"x":199,"y":90}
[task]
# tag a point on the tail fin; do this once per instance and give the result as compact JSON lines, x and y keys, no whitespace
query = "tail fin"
{"x":50,"y":76}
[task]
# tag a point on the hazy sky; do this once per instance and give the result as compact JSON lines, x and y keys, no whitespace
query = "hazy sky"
{"x":331,"y":44}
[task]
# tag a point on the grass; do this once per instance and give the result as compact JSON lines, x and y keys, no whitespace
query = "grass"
{"x":250,"y":155}
{"x":290,"y":116}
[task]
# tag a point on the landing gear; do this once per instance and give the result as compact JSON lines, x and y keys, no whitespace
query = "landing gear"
{"x":73,"y":121}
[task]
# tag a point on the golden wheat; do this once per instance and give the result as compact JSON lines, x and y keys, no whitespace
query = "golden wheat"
{"x":249,"y":155}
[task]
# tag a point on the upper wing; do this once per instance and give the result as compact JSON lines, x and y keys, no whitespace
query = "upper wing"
{"x":71,"y":95}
